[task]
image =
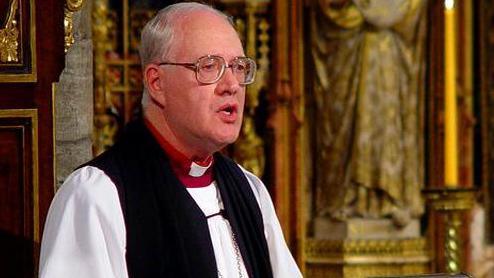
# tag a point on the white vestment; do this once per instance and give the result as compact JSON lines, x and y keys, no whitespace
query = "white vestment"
{"x":85,"y":233}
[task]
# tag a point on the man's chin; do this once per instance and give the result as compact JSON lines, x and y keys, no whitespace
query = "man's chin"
{"x":226,"y":140}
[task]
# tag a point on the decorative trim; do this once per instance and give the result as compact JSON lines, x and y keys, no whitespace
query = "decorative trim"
{"x":451,"y":201}
{"x":71,"y":6}
{"x":18,"y":50}
{"x":364,"y":258}
{"x":74,"y":5}
{"x":54,"y":86}
{"x":9,"y":36}
{"x":32,"y":115}
{"x":452,"y":242}
{"x":367,"y":251}
{"x":446,"y":199}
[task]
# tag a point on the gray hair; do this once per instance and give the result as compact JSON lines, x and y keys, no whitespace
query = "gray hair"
{"x":158,"y":34}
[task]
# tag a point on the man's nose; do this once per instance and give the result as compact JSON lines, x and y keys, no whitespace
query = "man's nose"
{"x":228,"y":83}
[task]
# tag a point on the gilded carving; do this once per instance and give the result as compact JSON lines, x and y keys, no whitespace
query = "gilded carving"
{"x":138,"y":19}
{"x":377,"y":250}
{"x":364,"y":271}
{"x":9,"y":36}
{"x":74,"y":5}
{"x":450,"y":199}
{"x":364,"y":258}
{"x":249,"y":149}
{"x":105,"y":126}
{"x":71,"y":6}
{"x":452,"y":243}
{"x":451,"y":202}
{"x":68,"y":27}
{"x":18,"y":41}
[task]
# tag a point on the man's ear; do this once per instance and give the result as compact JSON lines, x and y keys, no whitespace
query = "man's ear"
{"x":153,"y":81}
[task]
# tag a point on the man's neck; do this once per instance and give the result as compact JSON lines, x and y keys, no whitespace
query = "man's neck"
{"x":192,"y":173}
{"x":156,"y":120}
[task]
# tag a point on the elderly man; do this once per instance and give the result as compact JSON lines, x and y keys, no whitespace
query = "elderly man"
{"x":163,"y":202}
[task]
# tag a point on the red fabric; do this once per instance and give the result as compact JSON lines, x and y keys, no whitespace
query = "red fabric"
{"x":181,"y":163}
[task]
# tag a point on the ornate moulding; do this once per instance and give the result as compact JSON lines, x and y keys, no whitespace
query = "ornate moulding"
{"x":71,"y":7}
{"x":17,"y":42}
{"x":363,"y":258}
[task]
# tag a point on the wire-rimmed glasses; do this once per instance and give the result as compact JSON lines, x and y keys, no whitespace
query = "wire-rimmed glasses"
{"x":210,"y":68}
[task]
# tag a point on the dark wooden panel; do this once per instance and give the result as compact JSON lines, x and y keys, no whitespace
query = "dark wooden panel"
{"x":22,"y":220}
{"x":11,"y":179}
{"x":19,"y":223}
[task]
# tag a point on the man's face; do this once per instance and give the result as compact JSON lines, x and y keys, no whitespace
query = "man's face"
{"x":206,"y":117}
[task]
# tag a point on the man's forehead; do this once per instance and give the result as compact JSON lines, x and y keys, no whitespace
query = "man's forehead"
{"x":205,"y":32}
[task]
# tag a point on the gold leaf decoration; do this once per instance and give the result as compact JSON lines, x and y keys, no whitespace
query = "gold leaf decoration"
{"x":9,"y":36}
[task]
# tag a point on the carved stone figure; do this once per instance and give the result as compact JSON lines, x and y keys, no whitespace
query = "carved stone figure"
{"x":367,"y":56}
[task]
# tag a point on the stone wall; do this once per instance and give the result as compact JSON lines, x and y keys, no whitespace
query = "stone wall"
{"x":74,"y":100}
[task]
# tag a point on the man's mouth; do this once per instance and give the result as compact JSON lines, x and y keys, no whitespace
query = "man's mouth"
{"x":228,"y":112}
{"x":228,"y":109}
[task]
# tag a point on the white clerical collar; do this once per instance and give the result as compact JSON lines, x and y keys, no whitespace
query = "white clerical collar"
{"x":197,"y":170}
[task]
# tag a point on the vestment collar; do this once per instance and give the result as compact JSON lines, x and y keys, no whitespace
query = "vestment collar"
{"x":191,"y":173}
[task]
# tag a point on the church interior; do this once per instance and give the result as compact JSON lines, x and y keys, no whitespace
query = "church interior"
{"x":370,"y":122}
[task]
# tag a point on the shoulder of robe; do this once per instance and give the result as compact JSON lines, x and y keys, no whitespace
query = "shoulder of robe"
{"x":88,"y":185}
{"x":256,"y":184}
{"x":251,"y":177}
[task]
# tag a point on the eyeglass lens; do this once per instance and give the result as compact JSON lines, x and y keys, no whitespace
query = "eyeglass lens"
{"x":211,"y":68}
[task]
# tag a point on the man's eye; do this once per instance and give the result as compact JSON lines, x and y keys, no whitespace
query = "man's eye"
{"x":209,"y":66}
{"x":240,"y":67}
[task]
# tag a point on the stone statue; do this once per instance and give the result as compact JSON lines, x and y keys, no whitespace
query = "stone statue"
{"x":368,"y":59}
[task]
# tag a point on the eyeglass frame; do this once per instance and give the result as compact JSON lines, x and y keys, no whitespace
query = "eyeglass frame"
{"x":224,"y":66}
